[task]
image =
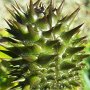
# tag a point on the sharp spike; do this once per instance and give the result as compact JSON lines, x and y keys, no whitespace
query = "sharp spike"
{"x":3,"y":45}
{"x":15,"y":9}
{"x":68,"y":35}
{"x":74,"y":13}
{"x":31,"y":5}
{"x":8,"y":22}
{"x":59,"y":10}
{"x":41,"y":4}
{"x":79,"y":40}
{"x":18,"y":11}
{"x":37,"y":3}
{"x":52,"y":4}
{"x":50,"y":11}
{"x":18,"y":6}
{"x":10,"y":11}
{"x":31,"y":8}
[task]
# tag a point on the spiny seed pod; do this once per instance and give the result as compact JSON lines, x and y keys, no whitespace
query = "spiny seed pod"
{"x":44,"y":52}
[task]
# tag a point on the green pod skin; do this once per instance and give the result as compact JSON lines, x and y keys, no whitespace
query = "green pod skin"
{"x":30,"y":58}
{"x":34,"y":81}
{"x":33,"y":34}
{"x":67,"y":65}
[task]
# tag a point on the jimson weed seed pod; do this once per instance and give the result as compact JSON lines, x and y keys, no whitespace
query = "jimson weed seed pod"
{"x":45,"y":53}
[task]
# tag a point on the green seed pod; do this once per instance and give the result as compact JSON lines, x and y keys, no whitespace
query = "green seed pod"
{"x":44,"y":51}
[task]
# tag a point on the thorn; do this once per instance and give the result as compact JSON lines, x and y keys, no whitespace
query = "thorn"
{"x":37,"y":3}
{"x":59,"y":10}
{"x":8,"y":22}
{"x":18,"y":6}
{"x":76,"y":11}
{"x":15,"y":8}
{"x":31,"y":5}
{"x":10,"y":11}
{"x":52,"y":3}
{"x":80,"y":25}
